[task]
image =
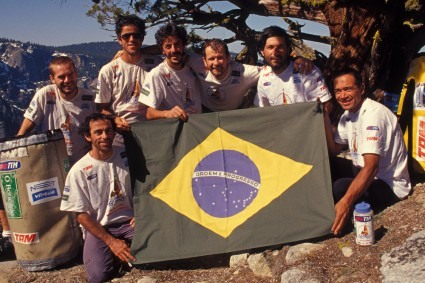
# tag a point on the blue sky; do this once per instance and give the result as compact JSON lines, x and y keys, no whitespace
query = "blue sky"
{"x":57,"y":22}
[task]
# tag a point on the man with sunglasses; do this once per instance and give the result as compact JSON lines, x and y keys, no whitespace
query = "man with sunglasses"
{"x":120,"y":80}
{"x":378,"y":152}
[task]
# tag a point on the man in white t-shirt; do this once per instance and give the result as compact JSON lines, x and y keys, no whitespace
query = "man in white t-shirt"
{"x":61,"y":105}
{"x":171,"y":90}
{"x":224,"y":82}
{"x":98,"y":189}
{"x":279,"y":82}
{"x":376,"y":143}
{"x":120,"y":81}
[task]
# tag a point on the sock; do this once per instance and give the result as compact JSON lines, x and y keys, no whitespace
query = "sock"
{"x":6,"y":234}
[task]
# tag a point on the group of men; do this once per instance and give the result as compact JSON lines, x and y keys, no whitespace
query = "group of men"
{"x":139,"y":86}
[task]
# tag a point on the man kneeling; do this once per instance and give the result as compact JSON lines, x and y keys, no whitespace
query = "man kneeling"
{"x":377,"y":148}
{"x":98,"y":190}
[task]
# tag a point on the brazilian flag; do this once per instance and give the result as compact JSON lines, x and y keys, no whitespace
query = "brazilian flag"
{"x":229,"y":181}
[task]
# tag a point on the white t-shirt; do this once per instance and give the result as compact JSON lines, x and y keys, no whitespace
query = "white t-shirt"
{"x":289,"y":87}
{"x":166,"y":88}
{"x":227,"y":93}
{"x":50,"y":110}
{"x":119,"y":83}
{"x":100,"y":188}
{"x":374,"y":129}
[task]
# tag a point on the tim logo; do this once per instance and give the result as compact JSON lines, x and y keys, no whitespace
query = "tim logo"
{"x":26,"y":238}
{"x":363,"y":218}
{"x":10,"y":165}
{"x":372,"y":128}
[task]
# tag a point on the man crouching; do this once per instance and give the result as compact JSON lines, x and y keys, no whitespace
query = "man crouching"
{"x":377,"y":148}
{"x":98,"y":189}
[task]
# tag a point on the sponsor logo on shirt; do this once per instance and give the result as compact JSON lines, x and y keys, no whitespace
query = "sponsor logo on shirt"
{"x":372,"y":128}
{"x":267,"y":84}
{"x":33,"y":103}
{"x":67,"y":189}
{"x":85,"y":106}
{"x":91,"y":177}
{"x":65,"y":197}
{"x":297,"y":80}
{"x":372,"y":138}
{"x":116,"y":72}
{"x":145,"y":92}
{"x":234,"y":82}
{"x":87,"y":97}
{"x":88,"y":167}
{"x":30,"y":109}
{"x":51,"y":93}
{"x":166,"y":76}
{"x":147,"y":85}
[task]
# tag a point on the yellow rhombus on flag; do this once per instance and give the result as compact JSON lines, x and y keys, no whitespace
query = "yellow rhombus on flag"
{"x":277,"y":173}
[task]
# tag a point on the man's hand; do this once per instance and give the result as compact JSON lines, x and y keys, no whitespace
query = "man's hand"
{"x":120,"y":249}
{"x":176,"y":112}
{"x":303,"y":65}
{"x":357,"y":187}
{"x":342,"y":214}
{"x":122,"y":124}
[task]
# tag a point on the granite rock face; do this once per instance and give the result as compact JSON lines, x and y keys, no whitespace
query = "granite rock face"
{"x":24,"y":69}
{"x":405,"y":263}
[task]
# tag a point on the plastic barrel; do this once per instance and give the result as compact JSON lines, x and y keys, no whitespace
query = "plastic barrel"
{"x":33,"y":170}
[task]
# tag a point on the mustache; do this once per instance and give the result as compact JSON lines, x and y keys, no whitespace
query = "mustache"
{"x":276,"y":57}
{"x":176,"y":53}
{"x":218,"y":68}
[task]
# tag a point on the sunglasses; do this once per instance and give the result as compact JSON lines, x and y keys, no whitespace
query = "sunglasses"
{"x":126,"y":36}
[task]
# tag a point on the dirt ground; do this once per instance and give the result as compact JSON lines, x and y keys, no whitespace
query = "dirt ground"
{"x":392,"y":227}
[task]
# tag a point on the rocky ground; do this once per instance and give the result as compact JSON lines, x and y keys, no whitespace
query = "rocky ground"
{"x":332,"y":263}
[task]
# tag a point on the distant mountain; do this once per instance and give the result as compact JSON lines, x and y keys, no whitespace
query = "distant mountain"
{"x":24,"y":69}
{"x":98,"y":50}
